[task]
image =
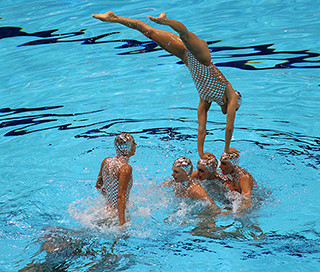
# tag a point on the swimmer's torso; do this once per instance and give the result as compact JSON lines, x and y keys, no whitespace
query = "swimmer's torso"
{"x":110,"y":177}
{"x":210,"y":82}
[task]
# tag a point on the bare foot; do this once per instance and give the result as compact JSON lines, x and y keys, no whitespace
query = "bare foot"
{"x":159,"y":20}
{"x":105,"y":17}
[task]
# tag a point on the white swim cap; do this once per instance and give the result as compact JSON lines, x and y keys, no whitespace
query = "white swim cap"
{"x":123,"y":143}
{"x":209,"y":163}
{"x":184,"y":163}
{"x":234,"y":158}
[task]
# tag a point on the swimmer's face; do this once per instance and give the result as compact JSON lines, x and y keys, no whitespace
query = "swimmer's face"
{"x":133,"y":148}
{"x":226,"y":167}
{"x":179,"y":174}
{"x":203,"y":172}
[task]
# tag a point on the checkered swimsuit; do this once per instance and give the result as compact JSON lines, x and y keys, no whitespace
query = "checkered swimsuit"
{"x":110,"y":177}
{"x":210,"y":82}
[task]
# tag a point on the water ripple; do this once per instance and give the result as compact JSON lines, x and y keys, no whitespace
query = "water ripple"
{"x":21,"y":122}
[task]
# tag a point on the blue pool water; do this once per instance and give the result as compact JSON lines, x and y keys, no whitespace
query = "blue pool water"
{"x":70,"y":83}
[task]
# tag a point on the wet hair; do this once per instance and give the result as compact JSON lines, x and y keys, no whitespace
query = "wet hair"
{"x":123,"y":143}
{"x":209,"y":163}
{"x":184,"y":163}
{"x":234,"y":158}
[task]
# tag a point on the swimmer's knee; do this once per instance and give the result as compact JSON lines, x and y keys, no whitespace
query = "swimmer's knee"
{"x":148,"y":31}
{"x":185,"y":37}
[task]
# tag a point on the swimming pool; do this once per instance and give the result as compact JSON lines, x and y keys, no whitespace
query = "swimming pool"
{"x":70,"y":83}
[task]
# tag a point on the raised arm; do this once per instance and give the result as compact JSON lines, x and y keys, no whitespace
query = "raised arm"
{"x":124,"y":179}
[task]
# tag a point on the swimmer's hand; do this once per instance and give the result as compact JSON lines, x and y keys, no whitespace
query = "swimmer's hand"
{"x":167,"y":183}
{"x":161,"y":20}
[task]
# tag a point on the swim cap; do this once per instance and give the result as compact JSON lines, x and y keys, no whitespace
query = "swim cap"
{"x":234,"y":158}
{"x":184,"y":163}
{"x":123,"y":143}
{"x":239,"y":99}
{"x":209,"y":163}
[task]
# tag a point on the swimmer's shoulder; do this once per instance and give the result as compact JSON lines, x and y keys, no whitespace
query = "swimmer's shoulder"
{"x":105,"y":161}
{"x":126,"y":169}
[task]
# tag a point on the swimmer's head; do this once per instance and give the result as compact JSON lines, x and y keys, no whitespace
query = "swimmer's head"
{"x":207,"y":166}
{"x":239,"y":99}
{"x":185,"y":164}
{"x":228,"y":162}
{"x":124,"y":144}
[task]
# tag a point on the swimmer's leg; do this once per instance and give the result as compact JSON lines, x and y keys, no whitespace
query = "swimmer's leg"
{"x":196,"y":46}
{"x":166,"y":40}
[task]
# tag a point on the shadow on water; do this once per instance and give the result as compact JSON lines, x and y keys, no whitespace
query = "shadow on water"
{"x":249,"y":57}
{"x":66,"y":249}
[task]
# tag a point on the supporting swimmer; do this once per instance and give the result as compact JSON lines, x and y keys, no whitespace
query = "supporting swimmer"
{"x":185,"y":185}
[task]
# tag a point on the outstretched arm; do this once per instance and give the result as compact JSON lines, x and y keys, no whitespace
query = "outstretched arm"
{"x":196,"y":46}
{"x":231,"y":115}
{"x":203,"y":108}
{"x":124,"y":179}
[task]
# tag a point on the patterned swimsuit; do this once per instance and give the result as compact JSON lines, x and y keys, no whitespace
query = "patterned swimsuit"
{"x":210,"y":82}
{"x":110,"y":177}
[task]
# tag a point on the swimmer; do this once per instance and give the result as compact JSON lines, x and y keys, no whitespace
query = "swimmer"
{"x":240,"y":180}
{"x":207,"y":168}
{"x":185,"y":186}
{"x":211,"y":84}
{"x":115,"y":176}
{"x":210,"y":178}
